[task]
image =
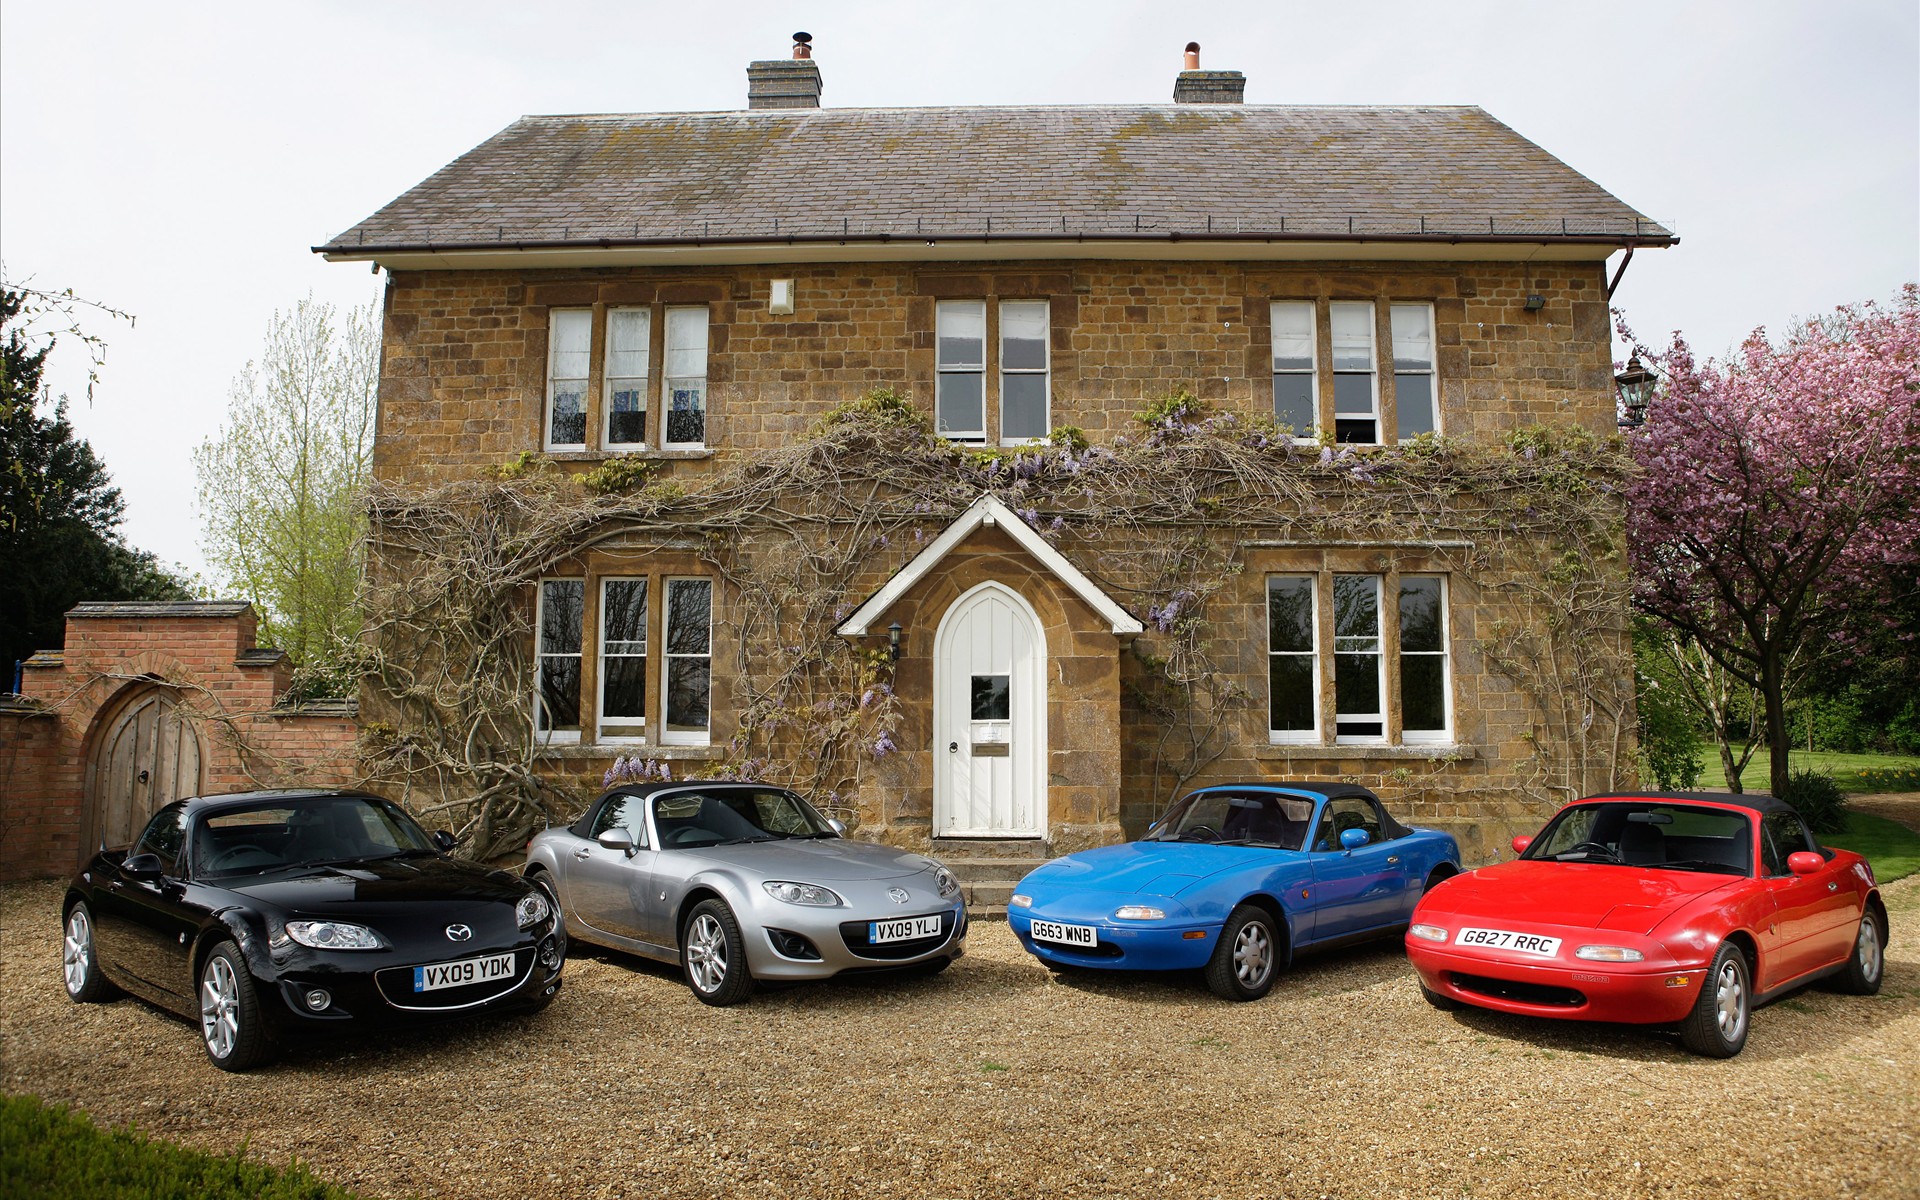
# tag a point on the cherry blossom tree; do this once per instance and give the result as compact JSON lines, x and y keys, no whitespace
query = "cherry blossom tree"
{"x":1777,"y":507}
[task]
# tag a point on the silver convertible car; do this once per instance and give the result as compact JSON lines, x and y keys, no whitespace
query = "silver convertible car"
{"x":744,"y":881}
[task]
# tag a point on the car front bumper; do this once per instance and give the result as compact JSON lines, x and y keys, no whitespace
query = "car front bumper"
{"x":1165,"y":945}
{"x":1645,"y":993}
{"x":836,"y":940}
{"x":368,"y":993}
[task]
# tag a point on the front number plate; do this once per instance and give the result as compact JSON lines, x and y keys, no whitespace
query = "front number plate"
{"x":1066,"y":935}
{"x":1505,"y":939}
{"x":905,"y":929}
{"x":460,"y":974}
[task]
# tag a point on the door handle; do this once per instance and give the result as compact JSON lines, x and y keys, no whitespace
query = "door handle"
{"x":953,"y":747}
{"x":1833,"y":887}
{"x":582,"y":855}
{"x":1393,"y":858}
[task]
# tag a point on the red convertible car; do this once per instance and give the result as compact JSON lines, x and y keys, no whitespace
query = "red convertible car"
{"x":1685,"y":909}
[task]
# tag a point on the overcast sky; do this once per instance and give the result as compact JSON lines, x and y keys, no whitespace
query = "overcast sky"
{"x":177,"y":161}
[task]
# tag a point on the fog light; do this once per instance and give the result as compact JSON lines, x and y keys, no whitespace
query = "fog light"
{"x":549,"y":954}
{"x":318,"y":1000}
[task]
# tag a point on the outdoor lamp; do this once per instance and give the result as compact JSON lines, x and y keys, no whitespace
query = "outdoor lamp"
{"x":1636,"y":392}
{"x":893,"y":641}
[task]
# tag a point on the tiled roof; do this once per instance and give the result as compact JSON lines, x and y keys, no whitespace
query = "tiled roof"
{"x":1092,"y":171}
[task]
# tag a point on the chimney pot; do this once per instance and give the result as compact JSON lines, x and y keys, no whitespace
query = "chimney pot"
{"x":803,"y":45}
{"x":1193,"y":56}
{"x":786,"y":82}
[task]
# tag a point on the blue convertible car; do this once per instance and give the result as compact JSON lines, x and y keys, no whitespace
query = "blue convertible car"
{"x":1234,"y":879}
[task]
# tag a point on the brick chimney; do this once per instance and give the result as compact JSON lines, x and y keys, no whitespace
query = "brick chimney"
{"x":1194,"y":86}
{"x":786,"y":82}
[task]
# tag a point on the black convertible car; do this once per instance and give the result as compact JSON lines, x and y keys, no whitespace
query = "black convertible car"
{"x":265,"y":915}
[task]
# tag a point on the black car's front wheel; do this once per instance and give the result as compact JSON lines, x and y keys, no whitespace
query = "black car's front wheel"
{"x":1247,"y":959}
{"x":230,"y":1023}
{"x":85,"y":983}
{"x":1717,"y":1026}
{"x":714,"y":955}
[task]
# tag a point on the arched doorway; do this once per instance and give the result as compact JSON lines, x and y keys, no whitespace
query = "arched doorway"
{"x":990,"y":717}
{"x":146,"y":755}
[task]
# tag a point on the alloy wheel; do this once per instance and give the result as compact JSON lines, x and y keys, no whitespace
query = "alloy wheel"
{"x":219,"y":1007}
{"x":75,"y":954}
{"x":1252,"y":954}
{"x":1730,"y":1002}
{"x":1869,"y":949}
{"x":707,"y":953}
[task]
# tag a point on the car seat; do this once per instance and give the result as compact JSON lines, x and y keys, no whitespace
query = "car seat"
{"x":1642,"y":845}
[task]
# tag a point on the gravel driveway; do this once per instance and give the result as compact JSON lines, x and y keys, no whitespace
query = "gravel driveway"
{"x":997,"y":1080}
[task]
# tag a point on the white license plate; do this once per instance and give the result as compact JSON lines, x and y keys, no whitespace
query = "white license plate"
{"x":1066,"y":935}
{"x":1504,"y":939}
{"x":904,"y":930}
{"x":459,"y":974}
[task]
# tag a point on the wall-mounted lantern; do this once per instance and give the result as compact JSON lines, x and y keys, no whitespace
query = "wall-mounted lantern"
{"x":893,"y":641}
{"x":1636,"y":385}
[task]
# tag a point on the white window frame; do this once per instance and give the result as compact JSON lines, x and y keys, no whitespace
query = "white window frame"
{"x":667,"y":379}
{"x":555,"y":379}
{"x":1442,"y":735}
{"x":1296,"y":737}
{"x":1044,"y":371}
{"x":551,"y":737}
{"x":609,"y":379}
{"x":1379,"y":652}
{"x":976,"y":369}
{"x":1312,"y":371}
{"x":1432,"y":371}
{"x":668,"y":736}
{"x":1372,"y":372}
{"x":600,"y":676}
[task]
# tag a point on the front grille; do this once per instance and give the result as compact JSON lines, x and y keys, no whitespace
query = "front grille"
{"x":396,"y":986}
{"x":1520,"y":993}
{"x":1097,"y":950}
{"x":854,"y":934}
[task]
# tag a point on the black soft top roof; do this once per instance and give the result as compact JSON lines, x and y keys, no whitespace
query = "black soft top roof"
{"x":1759,"y":802}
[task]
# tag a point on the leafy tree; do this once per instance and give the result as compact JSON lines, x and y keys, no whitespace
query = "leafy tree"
{"x":59,"y":511}
{"x":1778,"y":501}
{"x":282,"y":483}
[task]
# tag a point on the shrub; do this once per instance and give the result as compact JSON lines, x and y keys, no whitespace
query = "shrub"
{"x":1819,"y":799}
{"x":1669,"y":742}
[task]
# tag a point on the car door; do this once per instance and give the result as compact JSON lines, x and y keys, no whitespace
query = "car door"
{"x":1814,"y":916}
{"x":1354,"y":890}
{"x":146,"y":928}
{"x":606,"y":889}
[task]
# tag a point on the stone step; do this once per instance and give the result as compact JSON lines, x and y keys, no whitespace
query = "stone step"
{"x":952,"y":850}
{"x":983,"y":870}
{"x":987,"y":896}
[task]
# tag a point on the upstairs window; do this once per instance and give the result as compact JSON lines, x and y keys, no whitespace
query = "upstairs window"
{"x":1359,"y":688}
{"x":570,"y":349}
{"x":1023,"y":372}
{"x":623,"y":658}
{"x":558,"y":623}
{"x":1412,"y":326}
{"x":960,"y":400}
{"x":685,"y":383}
{"x":628,"y":330}
{"x":1425,"y":693}
{"x":1356,"y":391}
{"x":1296,"y":392}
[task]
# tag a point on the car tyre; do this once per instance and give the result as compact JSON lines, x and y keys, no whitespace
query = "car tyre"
{"x":231,"y":1026}
{"x":1723,"y":1012}
{"x":1869,"y":962}
{"x":85,"y":983}
{"x":1443,"y":1003}
{"x":714,"y":955}
{"x":1247,"y":959}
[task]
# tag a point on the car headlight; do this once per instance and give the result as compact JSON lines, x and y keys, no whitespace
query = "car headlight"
{"x":1139,"y":912}
{"x":532,"y":910}
{"x":1609,"y":954}
{"x":1431,"y":933}
{"x":1019,"y":901}
{"x":948,"y":885}
{"x":802,"y":893}
{"x":334,"y":935}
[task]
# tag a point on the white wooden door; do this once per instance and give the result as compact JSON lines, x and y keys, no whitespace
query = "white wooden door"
{"x":990,"y":718}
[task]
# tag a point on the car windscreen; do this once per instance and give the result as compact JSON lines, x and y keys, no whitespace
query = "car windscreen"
{"x":1238,"y":818}
{"x":275,"y":835}
{"x":1655,"y":834}
{"x":725,"y":816}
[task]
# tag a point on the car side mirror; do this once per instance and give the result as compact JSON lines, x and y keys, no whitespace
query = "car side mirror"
{"x":617,"y":839}
{"x":1804,"y":862}
{"x":443,"y":841}
{"x":145,"y":866}
{"x":1353,"y":839}
{"x":838,"y":826}
{"x":1521,"y":843}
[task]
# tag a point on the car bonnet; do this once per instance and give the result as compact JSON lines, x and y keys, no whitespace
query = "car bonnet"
{"x":1577,"y":895}
{"x":821,"y":860}
{"x":1151,"y":868}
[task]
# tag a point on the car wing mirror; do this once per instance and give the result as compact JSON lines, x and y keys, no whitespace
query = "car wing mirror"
{"x":838,"y":826}
{"x":617,"y":839}
{"x":143,"y":866}
{"x":1521,"y":843}
{"x":1353,"y":839}
{"x":443,"y":841}
{"x":1804,"y":862}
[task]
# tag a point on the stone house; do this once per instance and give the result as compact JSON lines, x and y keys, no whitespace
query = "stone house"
{"x":693,"y":294}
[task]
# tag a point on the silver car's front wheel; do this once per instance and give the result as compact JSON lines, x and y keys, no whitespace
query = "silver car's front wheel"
{"x":714,"y":955}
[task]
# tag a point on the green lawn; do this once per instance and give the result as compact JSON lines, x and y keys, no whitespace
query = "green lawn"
{"x":54,"y":1152}
{"x":1855,"y":773}
{"x":1892,"y":848}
